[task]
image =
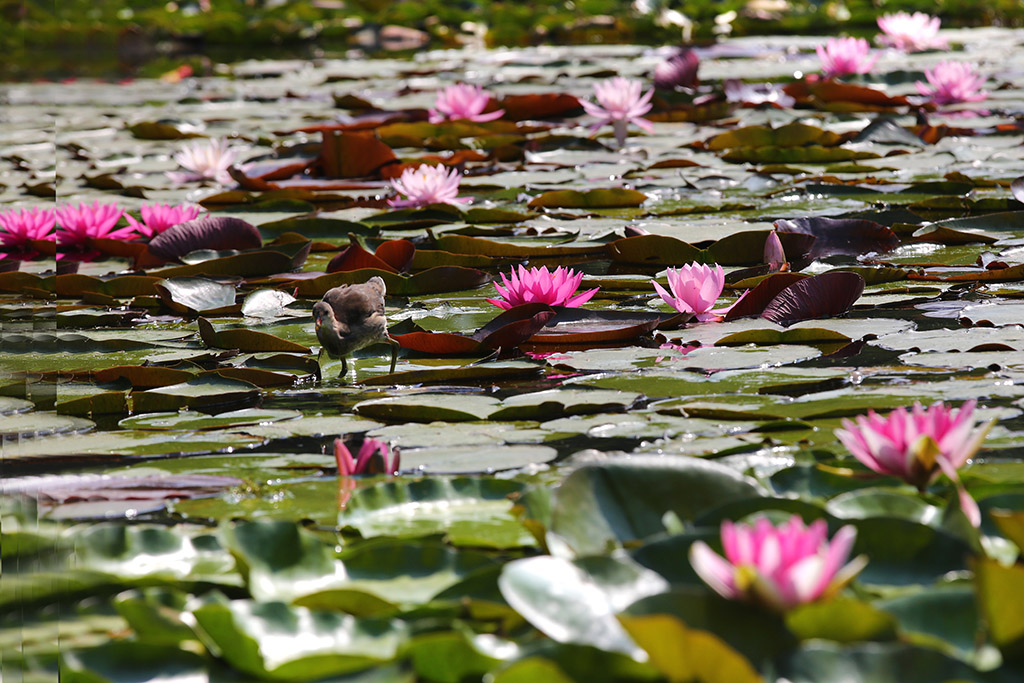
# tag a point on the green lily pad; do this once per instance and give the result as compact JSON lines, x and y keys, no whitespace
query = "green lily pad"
{"x":470,"y":511}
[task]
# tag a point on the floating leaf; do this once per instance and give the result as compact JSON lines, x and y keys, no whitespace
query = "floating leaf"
{"x":275,"y":641}
{"x":842,"y":235}
{"x":216,"y":233}
{"x":354,"y":154}
{"x":201,"y":393}
{"x":685,"y":654}
{"x":823,"y":296}
{"x":393,"y":255}
{"x":575,"y":602}
{"x":246,"y":340}
{"x":589,"y":199}
{"x":605,"y":504}
{"x":266,"y":303}
{"x":196,"y":295}
{"x":470,"y":511}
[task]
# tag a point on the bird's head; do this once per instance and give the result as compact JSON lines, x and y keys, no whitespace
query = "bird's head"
{"x":321,"y":313}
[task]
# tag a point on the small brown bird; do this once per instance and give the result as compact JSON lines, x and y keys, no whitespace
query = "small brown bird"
{"x":351,"y":317}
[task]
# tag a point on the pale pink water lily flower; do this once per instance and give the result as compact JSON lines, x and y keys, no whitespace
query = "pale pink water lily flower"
{"x":952,"y":82}
{"x":539,"y":285}
{"x":918,"y":445}
{"x":79,"y":224}
{"x":427,"y":184}
{"x":621,"y":101}
{"x":842,"y":56}
{"x":158,"y":217}
{"x":778,"y":567}
{"x":205,"y":160}
{"x":910,"y":32}
{"x":695,"y":289}
{"x":463,"y":102}
{"x":347,"y":465}
{"x":19,"y":227}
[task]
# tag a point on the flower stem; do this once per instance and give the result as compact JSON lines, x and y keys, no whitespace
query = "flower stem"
{"x":620,"y":126}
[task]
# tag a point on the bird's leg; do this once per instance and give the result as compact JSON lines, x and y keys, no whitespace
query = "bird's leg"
{"x":394,"y":353}
{"x":344,"y":367}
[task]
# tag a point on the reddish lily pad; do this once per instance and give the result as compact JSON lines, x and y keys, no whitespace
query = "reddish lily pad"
{"x":578,"y":327}
{"x":539,"y":106}
{"x":822,"y":296}
{"x":280,"y":259}
{"x":848,"y":236}
{"x":217,"y":233}
{"x":506,"y":331}
{"x":393,"y":255}
{"x":356,"y":154}
{"x":756,"y":300}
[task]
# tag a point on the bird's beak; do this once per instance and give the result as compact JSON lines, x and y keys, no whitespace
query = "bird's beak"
{"x":317,"y":322}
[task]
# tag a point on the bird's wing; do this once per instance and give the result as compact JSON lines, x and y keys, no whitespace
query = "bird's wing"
{"x":355,"y":303}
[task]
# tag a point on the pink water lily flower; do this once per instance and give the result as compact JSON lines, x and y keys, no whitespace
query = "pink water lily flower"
{"x":205,"y":160}
{"x":620,"y":102}
{"x":19,"y":227}
{"x":79,"y":224}
{"x":679,"y":70}
{"x":842,"y":56}
{"x":427,"y":185}
{"x":158,"y":217}
{"x":539,"y":285}
{"x":695,"y":289}
{"x":775,"y":253}
{"x":910,"y":32}
{"x":918,"y":445}
{"x":952,"y":82}
{"x":465,"y":102}
{"x":778,"y":567}
{"x":364,"y":462}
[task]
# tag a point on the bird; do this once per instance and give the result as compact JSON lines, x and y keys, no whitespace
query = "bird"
{"x":351,"y":317}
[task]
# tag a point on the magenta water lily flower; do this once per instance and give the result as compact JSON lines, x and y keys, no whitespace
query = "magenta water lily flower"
{"x":463,"y":102}
{"x":539,"y":285}
{"x":19,"y":227}
{"x":910,"y":32}
{"x":778,"y":567}
{"x":842,"y":56}
{"x":952,"y":82}
{"x":621,"y":101}
{"x":918,"y":445}
{"x":364,"y":462}
{"x":427,"y":185}
{"x":679,"y":70}
{"x":695,"y":289}
{"x":79,"y":224}
{"x":205,"y":160}
{"x":158,"y":217}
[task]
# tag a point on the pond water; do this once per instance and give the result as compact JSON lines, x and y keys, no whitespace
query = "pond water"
{"x":172,"y":505}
